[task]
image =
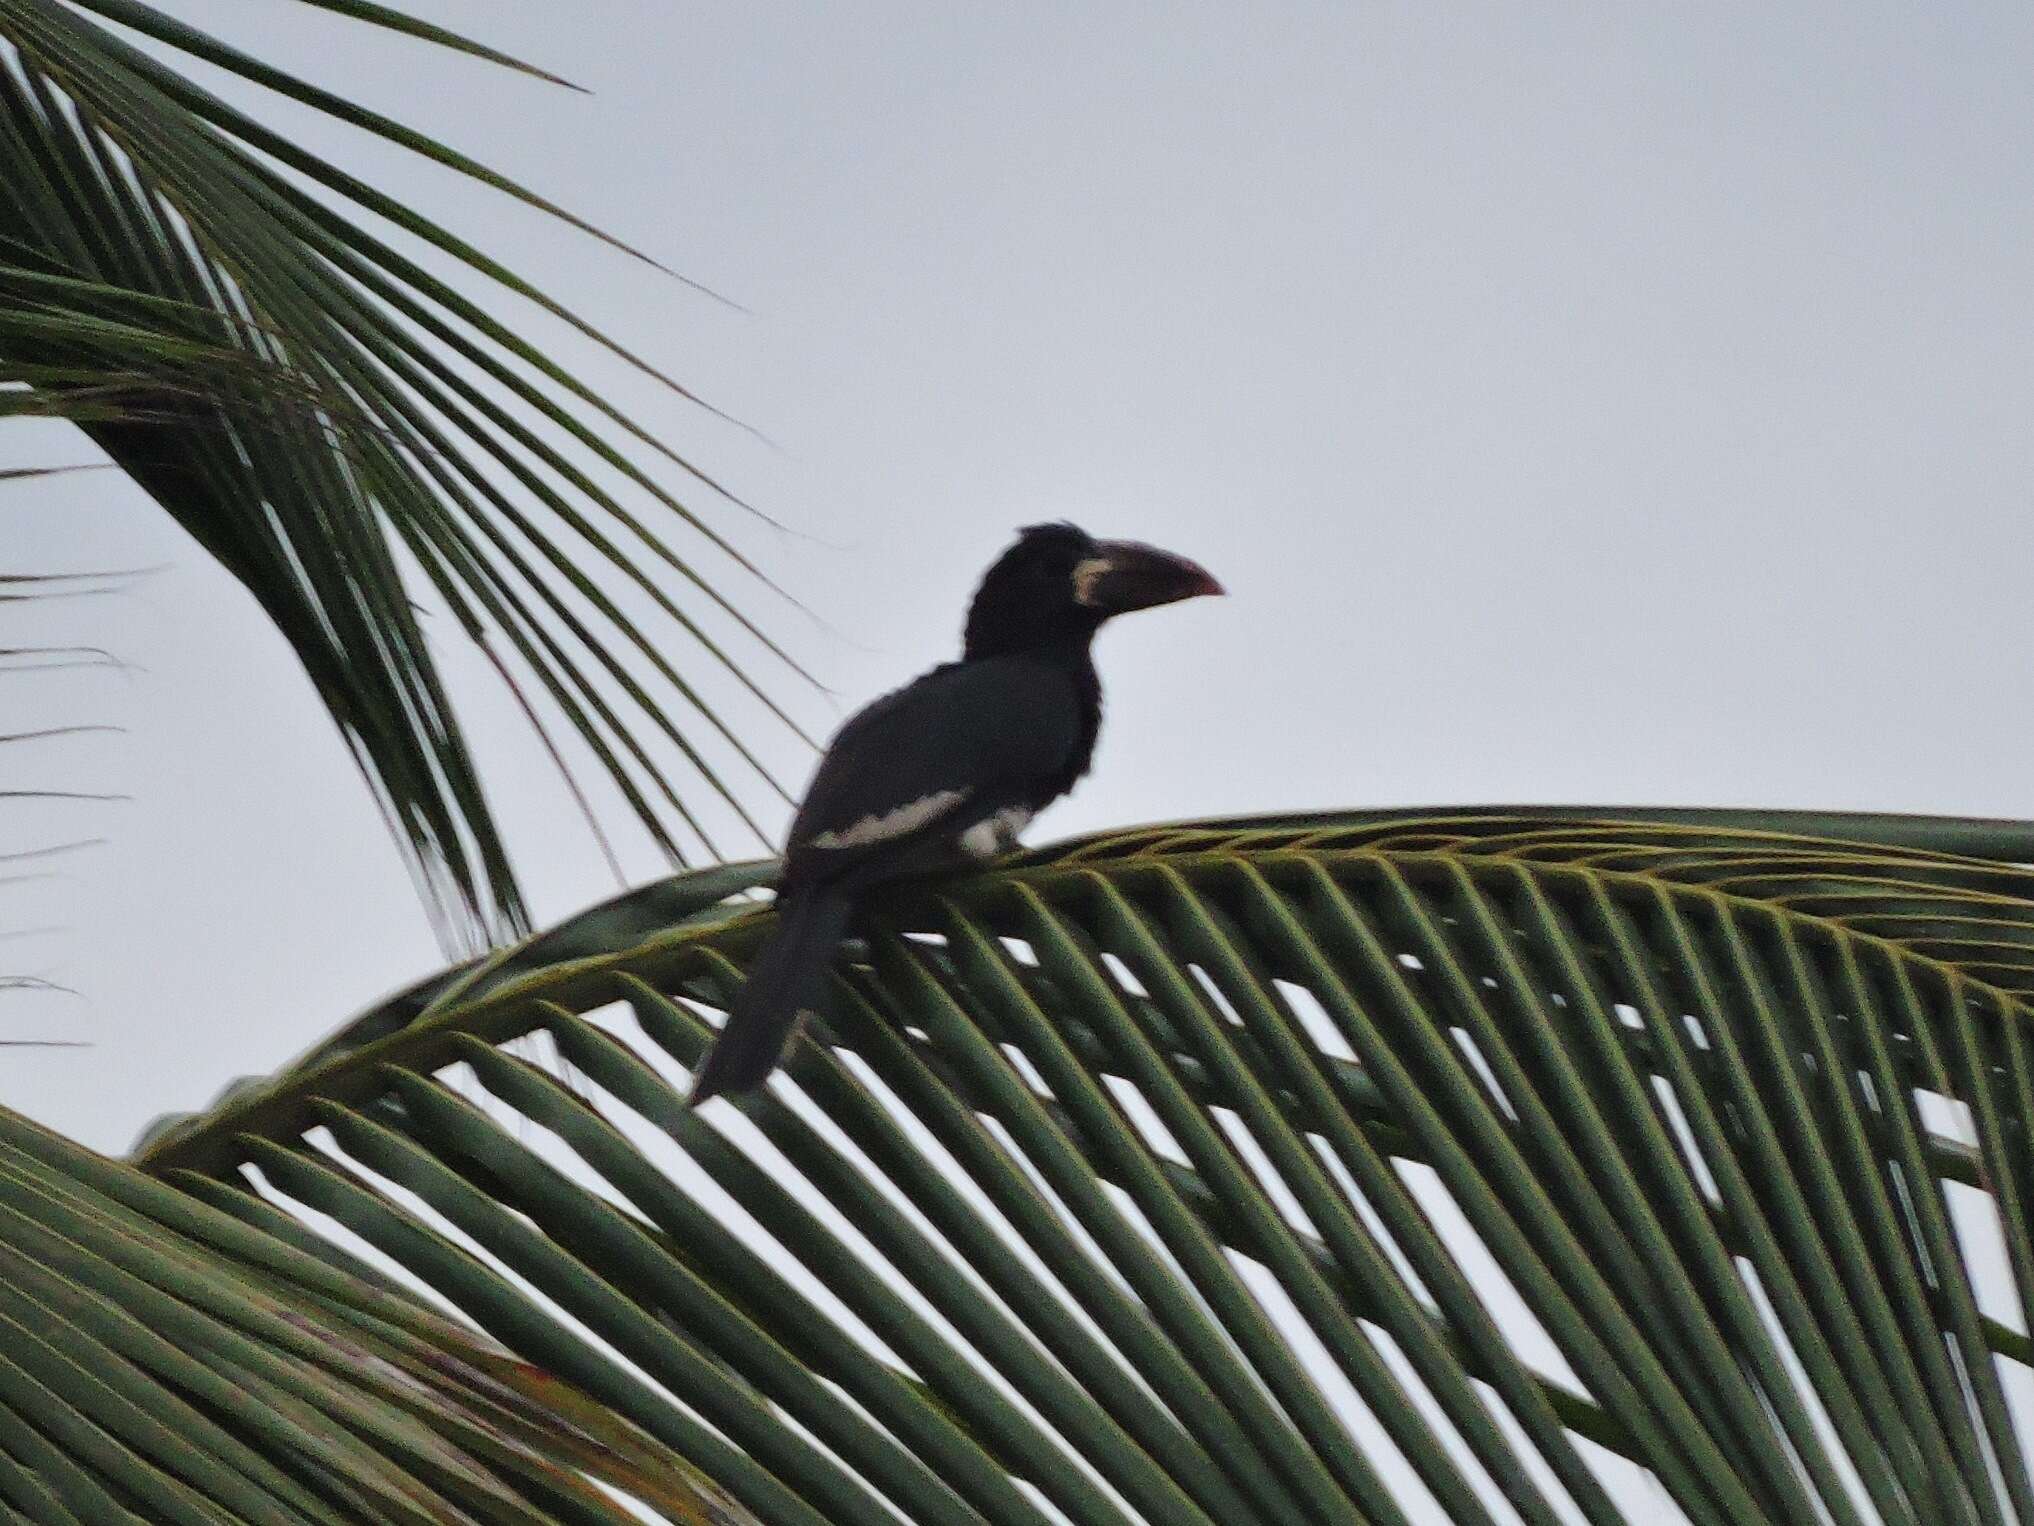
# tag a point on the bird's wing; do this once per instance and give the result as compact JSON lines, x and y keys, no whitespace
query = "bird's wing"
{"x":969,"y":731}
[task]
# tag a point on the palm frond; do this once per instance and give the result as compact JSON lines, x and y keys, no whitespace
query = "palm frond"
{"x":208,"y":302}
{"x":162,"y":1362}
{"x":1375,"y":1167}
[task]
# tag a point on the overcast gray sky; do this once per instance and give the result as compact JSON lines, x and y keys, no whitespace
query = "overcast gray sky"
{"x":1582,"y":402}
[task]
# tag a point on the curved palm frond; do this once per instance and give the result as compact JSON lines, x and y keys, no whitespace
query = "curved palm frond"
{"x":333,"y":423}
{"x":1370,"y":1168}
{"x":162,"y":1362}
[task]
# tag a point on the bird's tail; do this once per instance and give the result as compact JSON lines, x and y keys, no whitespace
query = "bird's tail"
{"x":787,"y":979}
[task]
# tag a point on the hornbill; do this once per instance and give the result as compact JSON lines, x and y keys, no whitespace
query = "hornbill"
{"x":946,"y":769}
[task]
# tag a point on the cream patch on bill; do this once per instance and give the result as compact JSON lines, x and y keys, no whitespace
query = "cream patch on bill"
{"x":1085,"y":574}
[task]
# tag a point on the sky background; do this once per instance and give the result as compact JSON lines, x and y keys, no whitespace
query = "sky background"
{"x":1581,"y":403}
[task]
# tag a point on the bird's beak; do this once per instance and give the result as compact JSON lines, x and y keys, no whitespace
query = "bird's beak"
{"x":1124,"y":575}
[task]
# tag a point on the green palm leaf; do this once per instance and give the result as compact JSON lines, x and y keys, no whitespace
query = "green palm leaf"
{"x":1343,"y":1168}
{"x":162,"y":1362}
{"x":334,"y":423}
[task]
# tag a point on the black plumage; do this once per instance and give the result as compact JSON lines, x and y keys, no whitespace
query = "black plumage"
{"x":947,"y":768}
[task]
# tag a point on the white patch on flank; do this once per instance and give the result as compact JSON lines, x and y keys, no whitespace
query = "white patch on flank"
{"x":905,"y":819}
{"x":1084,"y":574}
{"x":995,"y":834}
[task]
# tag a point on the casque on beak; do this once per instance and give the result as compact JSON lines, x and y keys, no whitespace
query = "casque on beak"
{"x":1124,"y":575}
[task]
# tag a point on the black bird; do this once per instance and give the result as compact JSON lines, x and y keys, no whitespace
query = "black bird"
{"x":948,"y":768}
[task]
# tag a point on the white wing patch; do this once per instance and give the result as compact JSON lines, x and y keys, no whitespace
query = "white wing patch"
{"x":900,"y":822}
{"x":995,"y":834}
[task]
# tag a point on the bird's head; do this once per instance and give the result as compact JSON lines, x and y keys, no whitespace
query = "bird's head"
{"x":1058,"y":582}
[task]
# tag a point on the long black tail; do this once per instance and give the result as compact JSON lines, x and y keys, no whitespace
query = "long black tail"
{"x":787,"y":979}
